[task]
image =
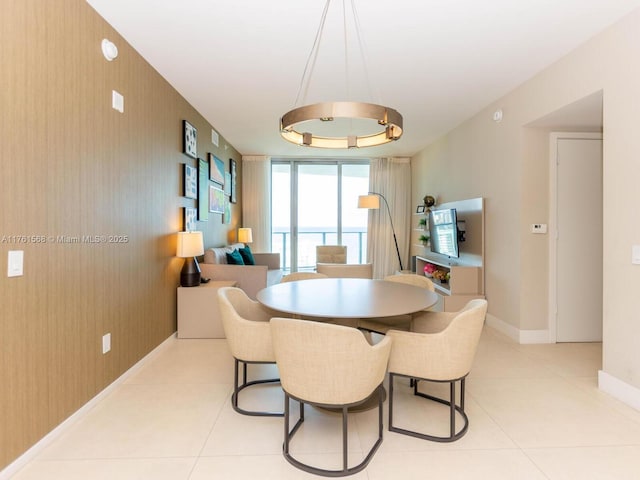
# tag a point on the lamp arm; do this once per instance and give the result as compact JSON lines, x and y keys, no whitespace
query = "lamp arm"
{"x":395,"y":240}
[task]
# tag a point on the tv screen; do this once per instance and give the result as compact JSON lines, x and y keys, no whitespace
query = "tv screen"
{"x":444,"y":232}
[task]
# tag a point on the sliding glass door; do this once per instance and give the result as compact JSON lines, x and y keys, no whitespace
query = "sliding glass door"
{"x":315,"y":203}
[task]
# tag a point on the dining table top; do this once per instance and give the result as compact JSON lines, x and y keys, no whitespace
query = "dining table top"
{"x":346,"y":298}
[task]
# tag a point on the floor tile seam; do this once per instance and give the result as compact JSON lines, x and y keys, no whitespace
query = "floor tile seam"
{"x":493,"y":419}
{"x":580,"y":447}
{"x":106,"y":458}
{"x":215,"y":421}
{"x":535,"y":464}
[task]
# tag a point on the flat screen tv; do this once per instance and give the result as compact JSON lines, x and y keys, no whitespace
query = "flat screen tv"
{"x":443,"y":230}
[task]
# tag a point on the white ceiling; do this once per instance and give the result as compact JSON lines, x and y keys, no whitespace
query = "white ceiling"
{"x":438,"y":62}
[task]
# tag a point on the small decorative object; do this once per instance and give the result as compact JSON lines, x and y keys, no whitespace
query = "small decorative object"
{"x":422,"y":223}
{"x":190,"y":139}
{"x":234,"y":193}
{"x":429,"y":268}
{"x":190,"y":182}
{"x":203,"y":190}
{"x":217,"y":169}
{"x":420,"y":209}
{"x":441,"y":275}
{"x":216,"y":199}
{"x":429,"y":201}
{"x":190,"y":216}
{"x":424,"y":240}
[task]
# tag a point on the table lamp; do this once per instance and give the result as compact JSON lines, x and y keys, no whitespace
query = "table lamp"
{"x":190,"y":245}
{"x":372,"y":201}
{"x":245,"y":235}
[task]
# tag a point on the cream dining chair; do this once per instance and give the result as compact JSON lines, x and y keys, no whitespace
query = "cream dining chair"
{"x":349,"y":270}
{"x":328,"y":366}
{"x":296,"y":276}
{"x":248,"y":331}
{"x":331,"y":254}
{"x":401,"y":322}
{"x":437,"y":352}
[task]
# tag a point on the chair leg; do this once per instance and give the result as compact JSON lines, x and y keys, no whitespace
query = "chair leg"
{"x":238,"y":388}
{"x":288,"y":436}
{"x":451,"y":403}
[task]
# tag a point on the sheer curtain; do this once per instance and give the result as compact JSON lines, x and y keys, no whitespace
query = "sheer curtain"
{"x":390,"y":177}
{"x":256,"y":200}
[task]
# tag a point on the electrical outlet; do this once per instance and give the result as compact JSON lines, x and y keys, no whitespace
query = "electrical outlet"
{"x":106,"y":343}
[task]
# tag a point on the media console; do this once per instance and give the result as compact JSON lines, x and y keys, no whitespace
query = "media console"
{"x":466,"y":273}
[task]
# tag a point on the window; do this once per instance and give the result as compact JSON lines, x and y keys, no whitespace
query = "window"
{"x":315,"y":203}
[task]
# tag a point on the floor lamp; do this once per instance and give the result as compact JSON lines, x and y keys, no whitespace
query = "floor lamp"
{"x":372,"y":201}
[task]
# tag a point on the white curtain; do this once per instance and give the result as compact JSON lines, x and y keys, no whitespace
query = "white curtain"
{"x":256,"y":200}
{"x":390,"y":177}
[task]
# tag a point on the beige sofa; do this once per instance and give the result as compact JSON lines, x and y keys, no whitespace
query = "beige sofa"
{"x":250,"y":278}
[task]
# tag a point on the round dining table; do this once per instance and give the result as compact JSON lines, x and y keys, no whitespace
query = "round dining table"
{"x":346,"y":298}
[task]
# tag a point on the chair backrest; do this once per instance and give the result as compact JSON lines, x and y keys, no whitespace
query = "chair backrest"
{"x":326,"y":363}
{"x":412,"y":279}
{"x":444,"y":355}
{"x":295,"y":276}
{"x":331,"y":254}
{"x":246,"y":326}
{"x":349,"y":270}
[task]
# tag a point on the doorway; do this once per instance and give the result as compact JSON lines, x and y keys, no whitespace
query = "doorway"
{"x":575,"y":243}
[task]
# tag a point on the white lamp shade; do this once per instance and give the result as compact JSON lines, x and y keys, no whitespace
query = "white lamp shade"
{"x":190,"y":244}
{"x":369,"y":201}
{"x":245,"y":235}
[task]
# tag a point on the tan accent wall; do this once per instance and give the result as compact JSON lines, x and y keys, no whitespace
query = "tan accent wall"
{"x":72,"y":166}
{"x":507,"y":163}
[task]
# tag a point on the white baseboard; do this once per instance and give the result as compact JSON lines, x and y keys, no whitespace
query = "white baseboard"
{"x":618,"y":389}
{"x":45,"y":441}
{"x":520,"y":336}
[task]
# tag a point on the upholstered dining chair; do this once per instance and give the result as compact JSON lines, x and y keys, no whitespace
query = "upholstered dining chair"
{"x":331,"y":254}
{"x":443,"y":356}
{"x":248,"y":331}
{"x":328,"y":366}
{"x":349,"y":270}
{"x":295,"y":276}
{"x":401,"y":322}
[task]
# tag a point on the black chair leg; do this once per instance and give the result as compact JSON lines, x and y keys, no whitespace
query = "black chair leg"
{"x":238,"y":388}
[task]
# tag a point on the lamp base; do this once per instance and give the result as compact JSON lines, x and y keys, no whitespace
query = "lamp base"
{"x":190,"y":273}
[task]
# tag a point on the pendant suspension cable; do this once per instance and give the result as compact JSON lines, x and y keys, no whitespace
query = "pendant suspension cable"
{"x":363,"y":54}
{"x":311,"y":60}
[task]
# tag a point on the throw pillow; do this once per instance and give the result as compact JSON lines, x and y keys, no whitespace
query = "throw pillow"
{"x":247,"y":256}
{"x":234,"y":258}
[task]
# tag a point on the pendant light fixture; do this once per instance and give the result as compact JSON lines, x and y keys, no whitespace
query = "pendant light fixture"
{"x":366,"y":125}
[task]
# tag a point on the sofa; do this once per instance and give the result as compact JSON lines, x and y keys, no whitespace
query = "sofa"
{"x":250,"y":278}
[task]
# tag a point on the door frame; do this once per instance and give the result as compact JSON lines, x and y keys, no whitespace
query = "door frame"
{"x":553,"y":222}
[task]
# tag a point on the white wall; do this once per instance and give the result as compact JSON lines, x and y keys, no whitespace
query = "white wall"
{"x":507,"y":164}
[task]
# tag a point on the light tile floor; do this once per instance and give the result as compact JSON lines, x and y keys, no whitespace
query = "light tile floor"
{"x":535,"y":413}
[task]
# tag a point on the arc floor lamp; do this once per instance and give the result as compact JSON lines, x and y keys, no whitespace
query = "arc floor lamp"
{"x":372,"y":201}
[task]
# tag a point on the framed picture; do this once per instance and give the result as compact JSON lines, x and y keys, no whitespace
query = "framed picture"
{"x":190,"y":139}
{"x":190,"y":217}
{"x":226,"y":216}
{"x":234,"y":193}
{"x":216,"y":199}
{"x":420,"y":209}
{"x":190,"y":182}
{"x":227,"y":183}
{"x":203,"y":190}
{"x":216,"y":167}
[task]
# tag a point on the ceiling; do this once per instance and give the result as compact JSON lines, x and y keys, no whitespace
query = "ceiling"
{"x":437,"y":62}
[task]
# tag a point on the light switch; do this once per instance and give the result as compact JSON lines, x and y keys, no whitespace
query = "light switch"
{"x":117,"y":101}
{"x":215,"y":138}
{"x":14,"y":263}
{"x":635,"y":254}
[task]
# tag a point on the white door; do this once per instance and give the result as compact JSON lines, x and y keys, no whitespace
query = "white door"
{"x":579,"y":240}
